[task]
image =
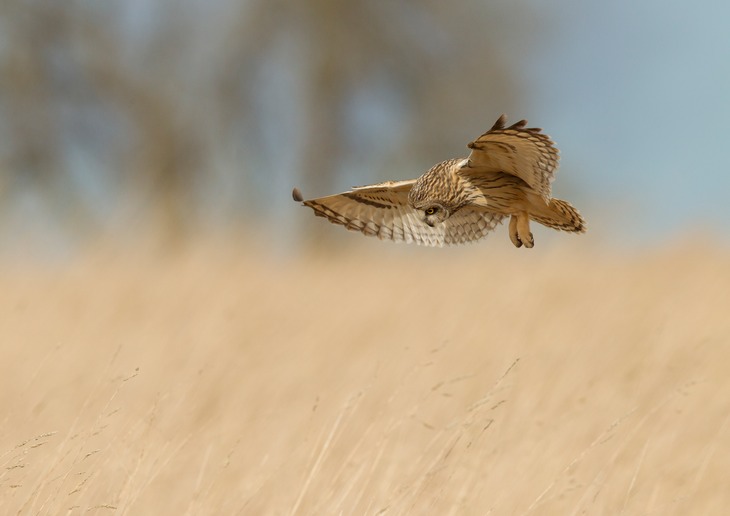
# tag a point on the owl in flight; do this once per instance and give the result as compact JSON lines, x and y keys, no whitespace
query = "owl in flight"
{"x":507,"y":174}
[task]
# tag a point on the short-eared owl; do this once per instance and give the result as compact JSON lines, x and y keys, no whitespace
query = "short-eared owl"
{"x":507,"y":173}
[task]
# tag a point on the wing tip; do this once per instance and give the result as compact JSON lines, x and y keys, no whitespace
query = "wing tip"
{"x":500,"y":123}
{"x":296,"y":194}
{"x":520,"y":124}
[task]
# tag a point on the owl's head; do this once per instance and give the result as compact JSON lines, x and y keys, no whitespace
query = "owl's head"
{"x":434,"y":213}
{"x":434,"y":195}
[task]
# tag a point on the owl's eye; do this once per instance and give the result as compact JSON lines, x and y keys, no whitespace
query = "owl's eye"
{"x":431,"y":210}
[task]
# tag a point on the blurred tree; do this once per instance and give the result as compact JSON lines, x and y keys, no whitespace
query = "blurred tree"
{"x":171,"y":108}
{"x":444,"y":64}
{"x":32,"y":147}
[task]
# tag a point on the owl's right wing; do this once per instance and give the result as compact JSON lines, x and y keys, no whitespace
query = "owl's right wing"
{"x":524,"y":152}
{"x":382,"y":210}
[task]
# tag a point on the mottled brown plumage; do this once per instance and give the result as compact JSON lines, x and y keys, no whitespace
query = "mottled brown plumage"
{"x":508,"y":173}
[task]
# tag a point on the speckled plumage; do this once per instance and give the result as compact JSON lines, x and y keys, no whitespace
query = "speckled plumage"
{"x":508,"y":173}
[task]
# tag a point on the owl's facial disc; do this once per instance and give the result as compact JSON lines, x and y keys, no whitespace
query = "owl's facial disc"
{"x":434,"y":214}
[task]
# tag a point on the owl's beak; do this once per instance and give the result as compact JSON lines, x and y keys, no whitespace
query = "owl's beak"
{"x":428,"y":222}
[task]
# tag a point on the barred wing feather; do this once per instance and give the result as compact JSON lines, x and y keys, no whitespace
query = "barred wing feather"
{"x":383,"y":211}
{"x":517,"y":150}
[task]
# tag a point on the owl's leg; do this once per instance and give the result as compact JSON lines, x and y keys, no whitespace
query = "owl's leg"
{"x":519,"y":230}
{"x":513,"y":231}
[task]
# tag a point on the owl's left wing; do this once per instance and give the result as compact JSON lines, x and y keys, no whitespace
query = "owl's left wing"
{"x":383,"y":211}
{"x":518,"y":150}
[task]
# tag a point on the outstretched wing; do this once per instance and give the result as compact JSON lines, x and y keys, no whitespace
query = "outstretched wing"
{"x":517,"y":150}
{"x":383,"y":211}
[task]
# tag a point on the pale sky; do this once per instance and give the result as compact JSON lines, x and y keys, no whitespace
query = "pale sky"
{"x":637,"y":94}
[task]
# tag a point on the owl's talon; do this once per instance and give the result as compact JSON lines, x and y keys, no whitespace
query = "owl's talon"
{"x":530,"y":242}
{"x":519,"y":230}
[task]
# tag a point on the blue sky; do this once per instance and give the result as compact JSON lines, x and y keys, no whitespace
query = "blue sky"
{"x":637,"y":95}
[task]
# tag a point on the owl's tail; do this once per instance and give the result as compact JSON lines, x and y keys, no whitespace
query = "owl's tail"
{"x":560,"y":215}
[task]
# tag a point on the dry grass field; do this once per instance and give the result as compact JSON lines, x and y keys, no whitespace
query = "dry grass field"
{"x":378,"y":380}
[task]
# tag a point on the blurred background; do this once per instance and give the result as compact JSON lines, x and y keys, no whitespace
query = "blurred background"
{"x":177,"y":336}
{"x":172,"y":118}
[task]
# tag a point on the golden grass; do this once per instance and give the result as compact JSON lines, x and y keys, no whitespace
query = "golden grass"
{"x":383,"y":380}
